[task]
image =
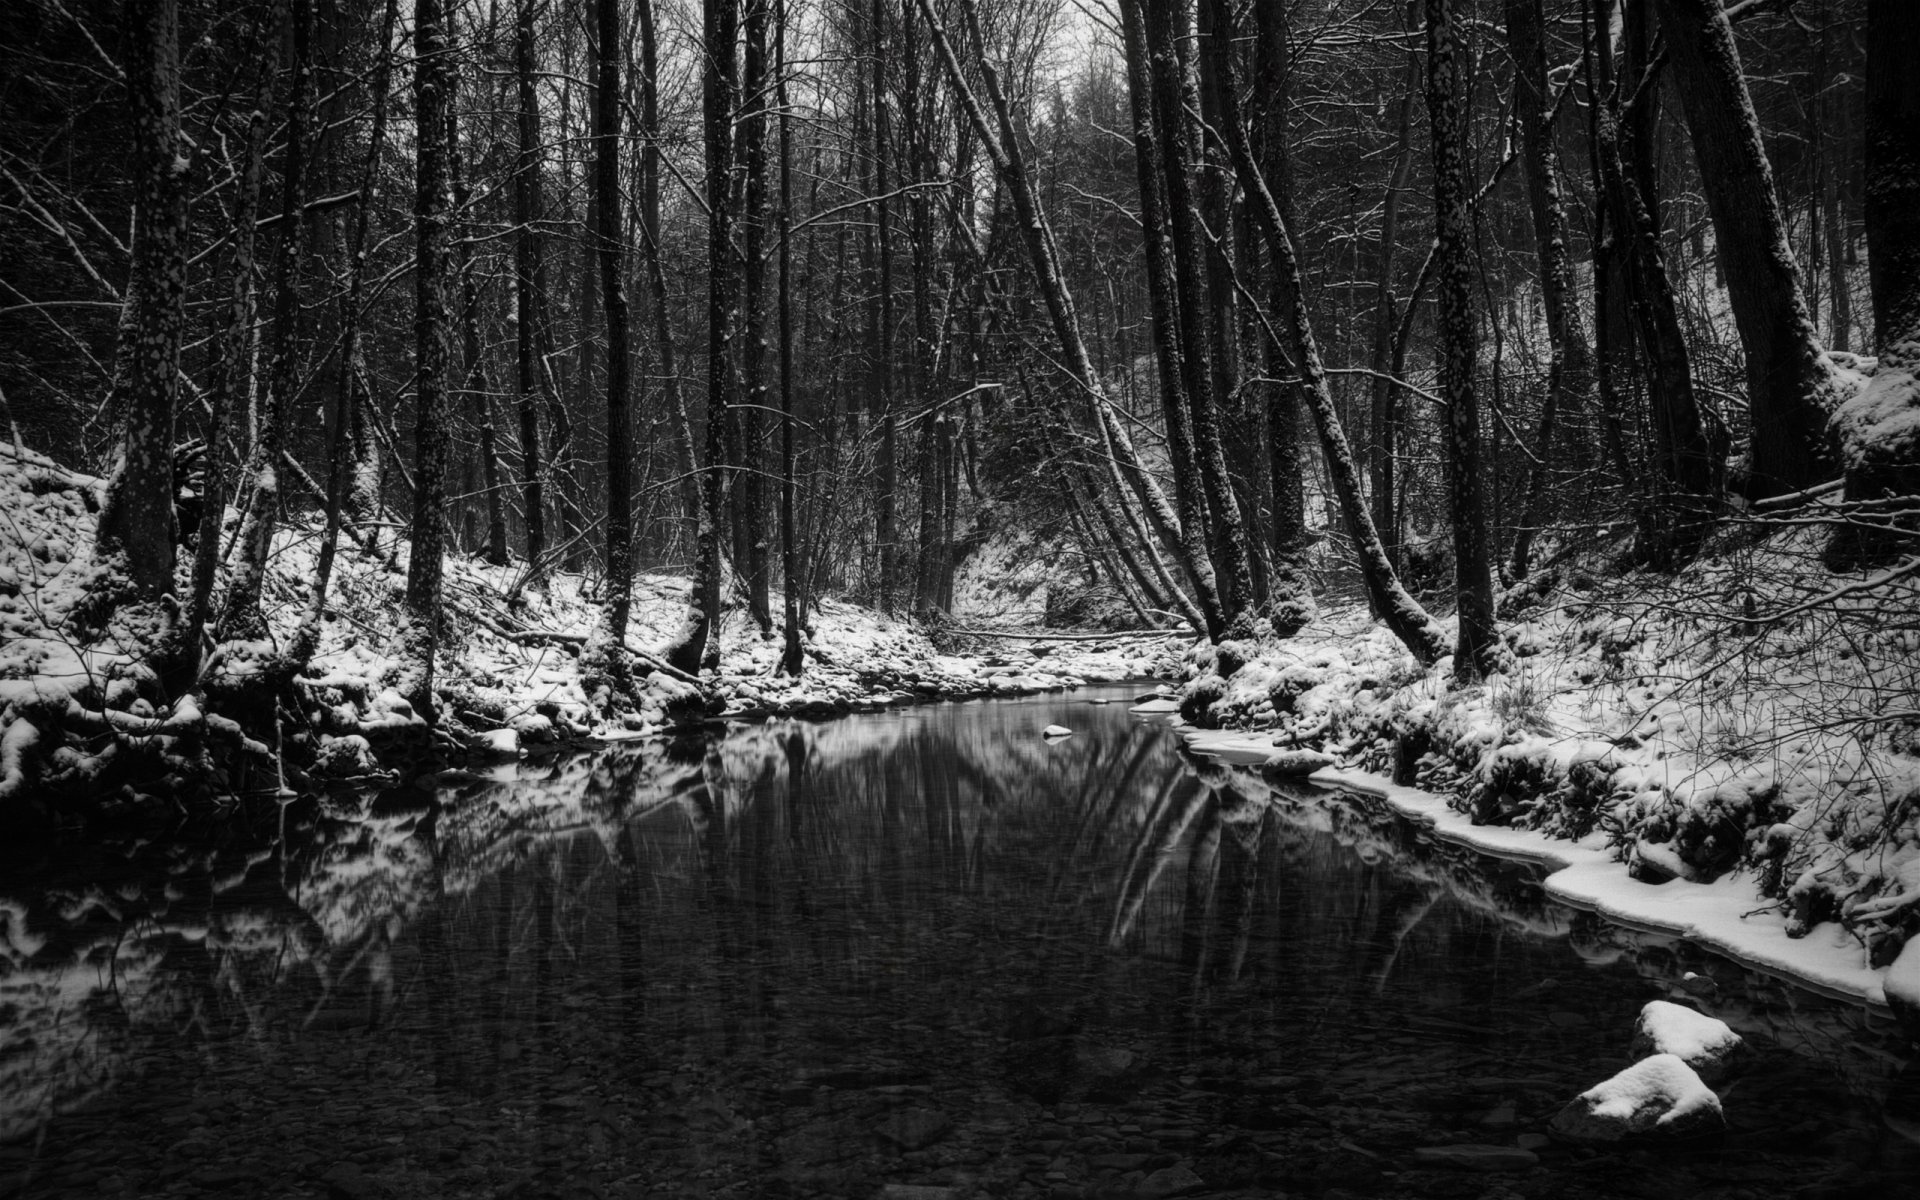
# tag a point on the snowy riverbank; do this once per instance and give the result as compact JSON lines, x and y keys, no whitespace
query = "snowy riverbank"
{"x":88,"y":715}
{"x":1729,"y":753}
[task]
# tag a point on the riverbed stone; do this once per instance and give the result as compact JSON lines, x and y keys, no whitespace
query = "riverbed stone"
{"x":1657,"y":1098}
{"x":1705,"y":1043}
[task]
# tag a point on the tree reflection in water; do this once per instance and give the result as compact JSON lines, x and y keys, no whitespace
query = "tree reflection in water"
{"x":932,"y":899}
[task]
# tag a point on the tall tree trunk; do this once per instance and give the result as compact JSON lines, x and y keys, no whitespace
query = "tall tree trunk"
{"x":1417,"y":631}
{"x":432,"y":260}
{"x":1789,"y":387}
{"x":1569,"y":369}
{"x":1477,"y":651}
{"x":242,"y":618}
{"x":698,"y":643}
{"x":1687,"y":462}
{"x":135,"y":534}
{"x":529,"y":288}
{"x":1877,"y":428}
{"x":1163,"y":296}
{"x":1290,"y":591}
{"x":1176,"y":99}
{"x":229,"y":382}
{"x":792,"y":661}
{"x":610,"y":646}
{"x":880,"y":396}
{"x":757,"y":360}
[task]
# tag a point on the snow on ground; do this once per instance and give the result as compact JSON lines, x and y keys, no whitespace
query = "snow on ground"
{"x":1731,"y":752}
{"x":509,"y":671}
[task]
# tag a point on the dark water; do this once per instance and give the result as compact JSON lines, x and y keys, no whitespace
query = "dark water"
{"x":919,"y":948}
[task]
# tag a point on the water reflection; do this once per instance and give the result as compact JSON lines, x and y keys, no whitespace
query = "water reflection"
{"x":923,"y":946}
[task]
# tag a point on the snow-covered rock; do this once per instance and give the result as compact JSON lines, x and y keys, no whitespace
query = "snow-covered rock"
{"x":1657,"y":1097}
{"x":1290,"y":763}
{"x":1704,"y":1043}
{"x":1056,"y":731}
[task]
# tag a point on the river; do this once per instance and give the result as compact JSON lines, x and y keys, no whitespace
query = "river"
{"x":923,"y":949}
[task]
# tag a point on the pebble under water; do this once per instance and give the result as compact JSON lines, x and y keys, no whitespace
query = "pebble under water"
{"x":918,"y":955}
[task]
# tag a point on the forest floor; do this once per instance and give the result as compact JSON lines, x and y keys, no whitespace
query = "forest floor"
{"x":1731,"y":751}
{"x":508,"y":674}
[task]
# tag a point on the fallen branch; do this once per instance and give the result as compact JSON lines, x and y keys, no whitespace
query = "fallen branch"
{"x":1066,"y":637}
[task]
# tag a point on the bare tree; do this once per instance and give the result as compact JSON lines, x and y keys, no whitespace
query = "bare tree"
{"x":1789,"y":388}
{"x":433,"y":81}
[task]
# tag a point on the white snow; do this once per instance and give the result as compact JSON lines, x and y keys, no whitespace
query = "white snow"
{"x":1662,"y":1081}
{"x":1691,"y":1035}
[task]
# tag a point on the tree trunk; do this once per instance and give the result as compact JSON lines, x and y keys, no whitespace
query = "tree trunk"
{"x":792,"y":661}
{"x":698,"y":643}
{"x":1175,"y":96}
{"x":229,"y":382}
{"x":757,"y":360}
{"x":136,"y":533}
{"x":529,"y":289}
{"x":1687,"y":462}
{"x":1290,"y":590}
{"x":650,"y":254}
{"x":1877,"y":428}
{"x":432,"y":100}
{"x":242,"y":618}
{"x":1037,"y":235}
{"x":1477,"y":651}
{"x":1417,"y":631}
{"x":1569,"y":369}
{"x":1789,"y":387}
{"x":609,"y":649}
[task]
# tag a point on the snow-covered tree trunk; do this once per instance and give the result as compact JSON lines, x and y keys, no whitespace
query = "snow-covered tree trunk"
{"x":432,"y":98}
{"x":1477,"y":649}
{"x":136,"y":535}
{"x":1880,"y":428}
{"x":1789,"y":387}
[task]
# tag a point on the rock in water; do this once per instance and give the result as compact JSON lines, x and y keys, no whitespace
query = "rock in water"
{"x":1658,"y":1097}
{"x":1702,"y":1042}
{"x":1056,"y":731}
{"x":1479,"y":1157}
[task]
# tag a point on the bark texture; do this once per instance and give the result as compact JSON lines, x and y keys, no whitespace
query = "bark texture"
{"x":1789,"y":387}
